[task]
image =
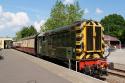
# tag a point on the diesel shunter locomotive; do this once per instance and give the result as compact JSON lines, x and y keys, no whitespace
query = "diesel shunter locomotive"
{"x":82,"y":43}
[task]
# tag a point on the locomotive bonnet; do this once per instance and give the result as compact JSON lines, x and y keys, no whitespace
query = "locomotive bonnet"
{"x":82,"y":40}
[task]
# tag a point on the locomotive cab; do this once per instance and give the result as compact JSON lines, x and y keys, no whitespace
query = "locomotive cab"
{"x":90,"y":48}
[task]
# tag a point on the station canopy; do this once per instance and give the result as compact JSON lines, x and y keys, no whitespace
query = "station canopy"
{"x":110,"y":38}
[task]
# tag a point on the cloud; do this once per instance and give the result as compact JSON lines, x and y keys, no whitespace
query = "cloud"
{"x":10,"y":19}
{"x":38,"y":24}
{"x":1,"y":9}
{"x":86,"y":11}
{"x":68,"y":1}
{"x":99,"y":11}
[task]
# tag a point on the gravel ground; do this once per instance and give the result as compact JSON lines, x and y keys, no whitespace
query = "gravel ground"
{"x":117,"y":56}
{"x":115,"y":79}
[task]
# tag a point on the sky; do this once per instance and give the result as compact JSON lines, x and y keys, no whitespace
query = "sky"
{"x":14,"y":14}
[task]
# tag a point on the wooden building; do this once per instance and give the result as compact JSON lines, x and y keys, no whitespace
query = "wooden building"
{"x":113,"y":41}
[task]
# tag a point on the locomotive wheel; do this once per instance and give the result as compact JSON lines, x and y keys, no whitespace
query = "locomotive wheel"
{"x":111,"y":65}
{"x":87,"y":70}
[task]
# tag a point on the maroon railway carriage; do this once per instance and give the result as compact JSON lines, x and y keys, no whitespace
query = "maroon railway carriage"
{"x":27,"y":45}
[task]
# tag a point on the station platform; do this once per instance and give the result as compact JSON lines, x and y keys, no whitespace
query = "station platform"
{"x":18,"y":67}
{"x":117,"y":56}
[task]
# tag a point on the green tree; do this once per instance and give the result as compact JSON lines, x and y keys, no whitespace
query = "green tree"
{"x":122,"y":36}
{"x":32,"y":31}
{"x":57,"y":16}
{"x":18,"y":35}
{"x":114,"y":25}
{"x":26,"y":31}
{"x":62,"y":15}
{"x":73,"y":13}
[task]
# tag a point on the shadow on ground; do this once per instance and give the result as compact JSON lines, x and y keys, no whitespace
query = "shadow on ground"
{"x":1,"y":57}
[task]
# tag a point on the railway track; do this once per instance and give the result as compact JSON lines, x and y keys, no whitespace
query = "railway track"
{"x":117,"y":72}
{"x":116,"y":75}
